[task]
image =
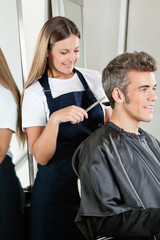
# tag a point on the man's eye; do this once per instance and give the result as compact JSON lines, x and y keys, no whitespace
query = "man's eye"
{"x":143,"y":89}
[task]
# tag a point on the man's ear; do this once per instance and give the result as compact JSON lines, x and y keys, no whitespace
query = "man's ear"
{"x":118,"y":95}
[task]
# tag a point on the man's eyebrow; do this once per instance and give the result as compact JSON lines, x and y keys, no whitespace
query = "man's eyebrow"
{"x":146,"y":86}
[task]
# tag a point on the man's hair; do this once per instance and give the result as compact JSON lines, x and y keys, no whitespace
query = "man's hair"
{"x":115,"y":73}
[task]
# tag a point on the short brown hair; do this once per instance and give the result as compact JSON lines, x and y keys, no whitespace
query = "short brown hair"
{"x":115,"y":73}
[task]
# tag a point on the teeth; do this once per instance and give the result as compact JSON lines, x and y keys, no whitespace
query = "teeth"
{"x":149,"y":107}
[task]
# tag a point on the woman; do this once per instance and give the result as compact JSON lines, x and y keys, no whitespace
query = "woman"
{"x":54,"y":117}
{"x":11,"y":194}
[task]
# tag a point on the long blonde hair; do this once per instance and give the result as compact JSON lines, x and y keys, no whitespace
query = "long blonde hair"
{"x":6,"y":79}
{"x":54,"y":30}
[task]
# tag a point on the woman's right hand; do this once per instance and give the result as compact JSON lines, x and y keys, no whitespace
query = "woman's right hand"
{"x":73,"y":114}
{"x":43,"y":140}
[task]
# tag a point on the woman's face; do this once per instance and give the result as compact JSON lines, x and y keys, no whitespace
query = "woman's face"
{"x":63,"y":57}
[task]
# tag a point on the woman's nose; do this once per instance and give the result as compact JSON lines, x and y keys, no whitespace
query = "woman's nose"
{"x":71,"y":56}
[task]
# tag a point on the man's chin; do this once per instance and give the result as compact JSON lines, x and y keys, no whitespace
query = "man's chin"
{"x":148,"y":119}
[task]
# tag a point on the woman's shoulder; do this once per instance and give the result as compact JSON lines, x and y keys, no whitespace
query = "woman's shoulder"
{"x":89,"y":72}
{"x":91,"y":76}
{"x":4,"y":90}
{"x":35,"y":88}
{"x":8,"y":106}
{"x":5,"y":93}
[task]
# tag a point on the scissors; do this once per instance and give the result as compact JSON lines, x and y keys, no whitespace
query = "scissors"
{"x":97,"y":102}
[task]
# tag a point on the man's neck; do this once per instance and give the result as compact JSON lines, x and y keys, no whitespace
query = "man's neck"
{"x":128,"y":125}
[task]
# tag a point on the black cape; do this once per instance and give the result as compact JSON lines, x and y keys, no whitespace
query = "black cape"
{"x":120,"y":182}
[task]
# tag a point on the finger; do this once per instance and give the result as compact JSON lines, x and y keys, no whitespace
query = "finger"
{"x":79,"y":110}
{"x":84,"y":113}
{"x":79,"y":116}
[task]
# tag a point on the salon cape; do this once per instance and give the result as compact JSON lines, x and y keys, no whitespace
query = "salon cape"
{"x":119,"y":173}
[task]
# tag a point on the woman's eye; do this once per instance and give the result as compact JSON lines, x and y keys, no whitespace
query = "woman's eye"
{"x":63,"y":53}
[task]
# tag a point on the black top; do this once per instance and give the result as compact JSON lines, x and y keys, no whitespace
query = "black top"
{"x":120,"y":183}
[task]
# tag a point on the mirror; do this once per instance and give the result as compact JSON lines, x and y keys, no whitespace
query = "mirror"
{"x":10,"y":45}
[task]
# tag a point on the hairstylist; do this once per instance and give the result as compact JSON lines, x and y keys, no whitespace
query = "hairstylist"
{"x":54,"y":117}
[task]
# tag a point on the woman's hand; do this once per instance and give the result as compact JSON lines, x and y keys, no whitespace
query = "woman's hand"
{"x":43,"y":140}
{"x":71,"y":114}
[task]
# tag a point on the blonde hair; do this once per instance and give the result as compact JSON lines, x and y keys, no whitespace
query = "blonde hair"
{"x":6,"y":79}
{"x":54,"y":30}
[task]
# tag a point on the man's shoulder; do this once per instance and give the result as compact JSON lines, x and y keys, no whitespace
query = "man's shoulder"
{"x":149,"y":137}
{"x":97,"y":138}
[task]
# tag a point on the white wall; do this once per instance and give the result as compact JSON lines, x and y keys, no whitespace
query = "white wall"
{"x":9,"y":38}
{"x":144,"y":35}
{"x":101,"y":31}
{"x":103,"y":20}
{"x":34,"y":13}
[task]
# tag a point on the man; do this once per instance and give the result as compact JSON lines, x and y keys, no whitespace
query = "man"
{"x":119,"y":164}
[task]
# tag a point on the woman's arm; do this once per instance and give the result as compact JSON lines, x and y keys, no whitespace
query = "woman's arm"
{"x":5,"y":138}
{"x":42,"y":140}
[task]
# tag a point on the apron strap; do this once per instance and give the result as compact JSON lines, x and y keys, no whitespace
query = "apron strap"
{"x":46,"y":88}
{"x":85,"y":85}
{"x":47,"y":91}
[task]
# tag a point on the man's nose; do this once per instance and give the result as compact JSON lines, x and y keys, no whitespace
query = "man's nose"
{"x":153,"y":96}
